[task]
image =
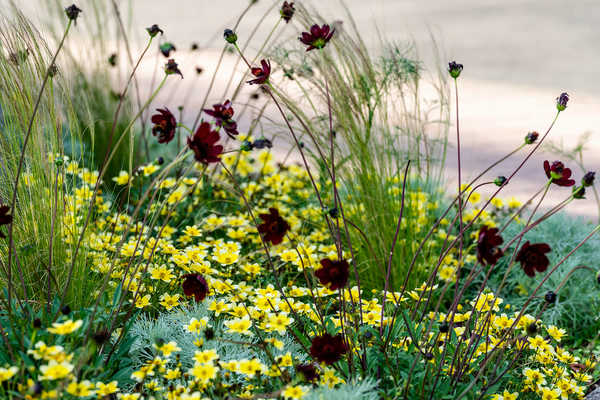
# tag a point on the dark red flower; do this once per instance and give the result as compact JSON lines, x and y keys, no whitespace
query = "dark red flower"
{"x":287,"y":11}
{"x":533,"y":257}
{"x":273,"y":227}
{"x":333,"y":273}
{"x":223,"y":115}
{"x":309,"y":372}
{"x":195,"y":285}
{"x":261,"y":74}
{"x":203,"y":144}
{"x":5,"y":217}
{"x":328,"y":349}
{"x":488,"y":241}
{"x":318,"y":37}
{"x":165,"y":125}
{"x":558,"y":173}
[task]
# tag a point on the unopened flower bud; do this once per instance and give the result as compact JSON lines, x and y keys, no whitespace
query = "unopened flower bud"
{"x":532,"y":329}
{"x":112,"y":60}
{"x":561,"y":101}
{"x":531,"y":137}
{"x":444,"y":327}
{"x":578,"y":192}
{"x":154,"y":30}
{"x":246,"y":145}
{"x":454,"y":69}
{"x":52,"y":71}
{"x":72,"y":12}
{"x":500,"y":181}
{"x":262,"y":143}
{"x":171,"y":68}
{"x":588,"y":178}
{"x":230,"y":36}
{"x":550,"y":297}
{"x":166,"y":48}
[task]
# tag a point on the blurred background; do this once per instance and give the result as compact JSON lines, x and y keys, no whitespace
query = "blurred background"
{"x":518,"y":57}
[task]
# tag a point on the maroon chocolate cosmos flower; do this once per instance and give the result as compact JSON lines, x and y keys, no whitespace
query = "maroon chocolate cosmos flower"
{"x":223,"y":115}
{"x":195,"y":285}
{"x":273,"y":227}
{"x":309,"y":372}
{"x":533,"y":257}
{"x":165,"y":125}
{"x":318,"y":37}
{"x":333,"y":273}
{"x":262,"y":74}
{"x":287,"y":11}
{"x":488,"y":241}
{"x":204,"y":146}
{"x":328,"y":349}
{"x":5,"y":217}
{"x":558,"y":173}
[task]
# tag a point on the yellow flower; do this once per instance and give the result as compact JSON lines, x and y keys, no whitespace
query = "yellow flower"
{"x":106,"y":389}
{"x":548,"y":394}
{"x":168,"y":301}
{"x":162,"y":273}
{"x":206,"y":356}
{"x":65,"y":328}
{"x":122,"y":179}
{"x":55,"y":370}
{"x":150,"y":169}
{"x":556,"y":333}
{"x":196,"y":326}
{"x":142,"y":301}
{"x":81,"y":389}
{"x":128,"y":396}
{"x":506,"y":395}
{"x":168,"y":348}
{"x":294,"y":392}
{"x":279,"y":322}
{"x":204,"y":372}
{"x":7,"y":373}
{"x":240,"y":325}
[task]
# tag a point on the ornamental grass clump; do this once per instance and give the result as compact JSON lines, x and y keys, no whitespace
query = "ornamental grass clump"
{"x":219,"y":269}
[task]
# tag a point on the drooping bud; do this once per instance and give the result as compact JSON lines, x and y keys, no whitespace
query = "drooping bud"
{"x":166,"y":48}
{"x":154,"y":30}
{"x":262,"y":143}
{"x":230,"y":36}
{"x":531,"y":137}
{"x":454,"y":69}
{"x":171,"y":68}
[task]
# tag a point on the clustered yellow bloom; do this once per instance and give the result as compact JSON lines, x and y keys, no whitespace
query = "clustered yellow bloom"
{"x":247,"y":308}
